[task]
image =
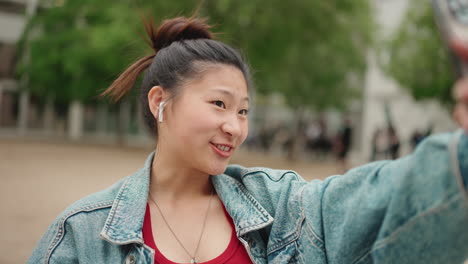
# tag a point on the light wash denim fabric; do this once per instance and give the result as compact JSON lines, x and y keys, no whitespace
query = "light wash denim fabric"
{"x":413,"y":210}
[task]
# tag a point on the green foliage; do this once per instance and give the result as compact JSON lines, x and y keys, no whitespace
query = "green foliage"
{"x":416,"y":56}
{"x":313,"y":52}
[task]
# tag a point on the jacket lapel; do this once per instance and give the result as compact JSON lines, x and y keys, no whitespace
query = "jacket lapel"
{"x":125,"y":219}
{"x":247,"y":214}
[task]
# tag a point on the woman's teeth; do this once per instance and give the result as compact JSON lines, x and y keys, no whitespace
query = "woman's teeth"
{"x":223,"y":148}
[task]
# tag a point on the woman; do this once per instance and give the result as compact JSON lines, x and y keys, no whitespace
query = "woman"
{"x":186,"y":205}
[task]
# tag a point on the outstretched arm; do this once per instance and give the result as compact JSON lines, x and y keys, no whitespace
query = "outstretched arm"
{"x":412,"y":210}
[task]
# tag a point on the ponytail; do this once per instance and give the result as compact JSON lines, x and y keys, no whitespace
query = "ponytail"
{"x":126,"y":80}
{"x":171,"y":30}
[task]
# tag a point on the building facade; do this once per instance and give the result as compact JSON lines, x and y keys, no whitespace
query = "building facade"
{"x":13,"y":104}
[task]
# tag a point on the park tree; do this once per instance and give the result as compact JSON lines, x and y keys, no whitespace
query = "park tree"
{"x":309,"y":51}
{"x":72,"y":50}
{"x":416,"y":57}
{"x":62,"y":53}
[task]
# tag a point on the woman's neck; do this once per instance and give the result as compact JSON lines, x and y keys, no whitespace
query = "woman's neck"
{"x":172,"y":182}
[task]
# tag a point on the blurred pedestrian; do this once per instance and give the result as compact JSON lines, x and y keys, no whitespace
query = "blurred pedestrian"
{"x":419,"y":136}
{"x":393,"y":143}
{"x":344,"y":138}
{"x":379,"y":145}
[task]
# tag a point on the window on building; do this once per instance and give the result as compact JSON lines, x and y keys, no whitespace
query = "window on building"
{"x":7,"y":60}
{"x":12,"y":7}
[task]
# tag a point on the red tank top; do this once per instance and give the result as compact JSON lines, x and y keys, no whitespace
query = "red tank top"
{"x":235,"y":252}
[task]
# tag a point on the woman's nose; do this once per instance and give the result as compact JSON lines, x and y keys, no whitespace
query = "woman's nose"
{"x":232,"y":127}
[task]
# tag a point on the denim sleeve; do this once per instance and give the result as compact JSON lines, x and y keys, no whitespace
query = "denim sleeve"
{"x":55,"y":246}
{"x":412,"y":210}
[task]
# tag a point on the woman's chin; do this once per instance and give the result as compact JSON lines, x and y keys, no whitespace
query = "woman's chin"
{"x":217,"y":170}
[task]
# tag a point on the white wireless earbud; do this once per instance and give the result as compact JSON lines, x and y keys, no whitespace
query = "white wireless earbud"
{"x":160,"y":111}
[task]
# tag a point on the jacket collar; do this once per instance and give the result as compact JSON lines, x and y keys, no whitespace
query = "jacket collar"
{"x":247,"y":213}
{"x":125,"y":220}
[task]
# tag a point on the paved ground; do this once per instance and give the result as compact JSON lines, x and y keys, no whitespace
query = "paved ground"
{"x":38,"y":180}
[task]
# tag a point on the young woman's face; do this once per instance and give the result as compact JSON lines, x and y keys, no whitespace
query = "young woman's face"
{"x":207,"y":121}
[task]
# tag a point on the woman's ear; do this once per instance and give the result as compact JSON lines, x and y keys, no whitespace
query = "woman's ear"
{"x":156,"y":96}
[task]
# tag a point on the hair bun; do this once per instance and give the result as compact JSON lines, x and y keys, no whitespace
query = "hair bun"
{"x":177,"y":29}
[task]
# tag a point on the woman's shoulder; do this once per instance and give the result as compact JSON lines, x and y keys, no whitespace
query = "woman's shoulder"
{"x":105,"y":198}
{"x":242,"y":173}
{"x":266,"y":185}
{"x":83,"y":218}
{"x":95,"y":201}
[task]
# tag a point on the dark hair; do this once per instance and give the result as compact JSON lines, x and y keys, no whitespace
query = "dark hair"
{"x":182,"y":48}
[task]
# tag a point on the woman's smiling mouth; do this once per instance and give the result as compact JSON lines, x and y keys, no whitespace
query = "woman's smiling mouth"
{"x":223,"y":150}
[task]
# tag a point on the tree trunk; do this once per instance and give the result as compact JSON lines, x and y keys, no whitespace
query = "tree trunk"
{"x":75,"y":120}
{"x":23,"y":112}
{"x":1,"y":106}
{"x":142,"y":130}
{"x":123,"y":120}
{"x":101,"y":119}
{"x":296,"y":135}
{"x":49,"y":115}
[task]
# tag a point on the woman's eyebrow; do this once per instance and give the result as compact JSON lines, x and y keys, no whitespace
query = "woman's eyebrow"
{"x":229,"y":93}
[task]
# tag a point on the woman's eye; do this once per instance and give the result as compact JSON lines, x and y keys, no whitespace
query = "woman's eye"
{"x":219,"y":103}
{"x":244,"y":112}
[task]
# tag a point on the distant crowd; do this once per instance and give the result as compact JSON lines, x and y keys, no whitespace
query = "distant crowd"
{"x":315,"y":140}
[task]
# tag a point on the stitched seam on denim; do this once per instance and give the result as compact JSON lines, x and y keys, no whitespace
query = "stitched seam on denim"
{"x":286,"y":241}
{"x":268,"y":175}
{"x":299,"y":255}
{"x":113,"y":210}
{"x":126,"y":242}
{"x":455,"y":162}
{"x":258,"y":207}
{"x":322,"y":195}
{"x":61,"y":227}
{"x":295,"y":238}
{"x":306,"y":221}
{"x":289,"y":239}
{"x":314,"y":239}
{"x":385,"y":241}
{"x":281,"y":245}
{"x":362,"y":257}
{"x":294,"y":235}
{"x":250,"y":198}
{"x":246,"y":230}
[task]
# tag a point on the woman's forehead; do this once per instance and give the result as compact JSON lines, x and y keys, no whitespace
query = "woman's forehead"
{"x":221,"y":79}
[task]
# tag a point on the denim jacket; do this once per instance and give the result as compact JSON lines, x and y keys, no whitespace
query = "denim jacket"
{"x":412,"y":210}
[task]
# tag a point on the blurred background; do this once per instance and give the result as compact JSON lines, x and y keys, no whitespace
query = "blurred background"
{"x":338,"y":83}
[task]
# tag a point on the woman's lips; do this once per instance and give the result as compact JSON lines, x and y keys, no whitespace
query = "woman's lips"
{"x":224,"y":150}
